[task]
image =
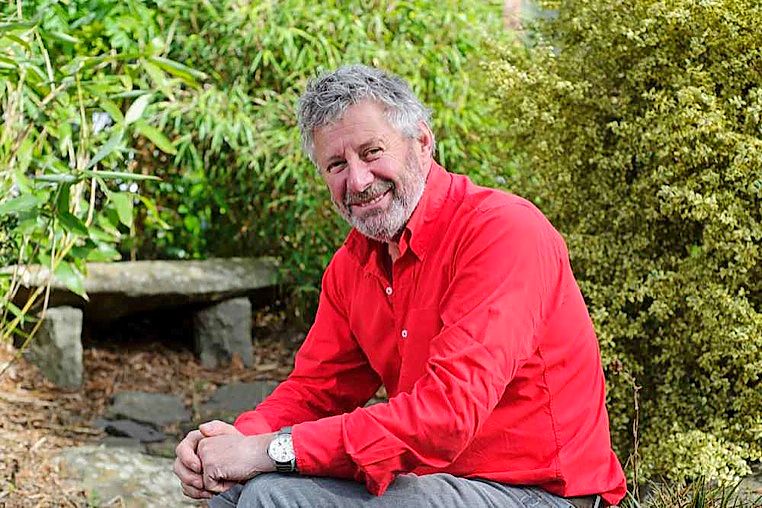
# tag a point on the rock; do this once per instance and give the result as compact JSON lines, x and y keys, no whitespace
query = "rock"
{"x":157,"y":409}
{"x":110,"y":475}
{"x":122,"y":442}
{"x":224,"y":330}
{"x":117,"y":290}
{"x":163,"y":448}
{"x":128,"y":428}
{"x":751,"y":486}
{"x":231,"y":400}
{"x":121,"y":289}
{"x":57,"y":349}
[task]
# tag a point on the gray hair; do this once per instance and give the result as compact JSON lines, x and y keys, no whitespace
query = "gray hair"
{"x":328,"y":96}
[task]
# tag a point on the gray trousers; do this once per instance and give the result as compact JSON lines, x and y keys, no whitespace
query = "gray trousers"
{"x":275,"y":490}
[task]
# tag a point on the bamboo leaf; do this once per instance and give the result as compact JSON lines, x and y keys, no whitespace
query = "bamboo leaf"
{"x":107,"y":148}
{"x":62,"y":201}
{"x":112,"y":109}
{"x":20,"y":25}
{"x":72,"y":278}
{"x":158,"y":77}
{"x":106,"y":175}
{"x":57,"y":178}
{"x":71,"y":223}
{"x":61,"y":36}
{"x":156,"y":136}
{"x":123,"y":204}
{"x":19,"y":204}
{"x":177,"y":69}
{"x":136,"y":109}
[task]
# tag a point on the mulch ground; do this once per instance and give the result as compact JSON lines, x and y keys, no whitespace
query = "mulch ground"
{"x":37,"y":419}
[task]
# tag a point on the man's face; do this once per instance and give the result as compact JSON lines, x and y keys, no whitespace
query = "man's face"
{"x":375,"y":174}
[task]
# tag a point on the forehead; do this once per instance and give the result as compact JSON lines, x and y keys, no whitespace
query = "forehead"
{"x":359,"y":124}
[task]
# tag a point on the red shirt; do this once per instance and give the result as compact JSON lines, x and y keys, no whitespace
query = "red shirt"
{"x":482,"y":340}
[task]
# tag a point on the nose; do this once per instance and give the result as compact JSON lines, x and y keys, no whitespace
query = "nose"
{"x":359,"y":175}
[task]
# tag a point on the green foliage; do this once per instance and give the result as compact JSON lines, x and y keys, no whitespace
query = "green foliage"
{"x":640,"y":129}
{"x":239,"y":183}
{"x":697,"y":494}
{"x":76,"y":92}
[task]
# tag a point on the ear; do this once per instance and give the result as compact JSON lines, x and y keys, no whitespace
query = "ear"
{"x":425,"y":143}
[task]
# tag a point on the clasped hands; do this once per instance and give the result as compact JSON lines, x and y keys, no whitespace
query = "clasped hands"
{"x":217,"y":456}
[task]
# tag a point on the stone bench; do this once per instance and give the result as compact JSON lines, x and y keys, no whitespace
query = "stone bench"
{"x":217,"y":291}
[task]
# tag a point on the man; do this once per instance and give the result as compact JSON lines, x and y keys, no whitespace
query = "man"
{"x":460,"y":300}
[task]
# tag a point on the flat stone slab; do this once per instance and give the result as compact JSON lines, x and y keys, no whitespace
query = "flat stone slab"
{"x":123,"y":477}
{"x":231,"y":400}
{"x":123,"y":288}
{"x":157,"y":409}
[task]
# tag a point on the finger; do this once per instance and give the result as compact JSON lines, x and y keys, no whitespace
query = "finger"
{"x":187,"y":476}
{"x":195,"y":493}
{"x":186,"y":451}
{"x":217,"y":428}
{"x":226,"y":485}
{"x":214,"y":485}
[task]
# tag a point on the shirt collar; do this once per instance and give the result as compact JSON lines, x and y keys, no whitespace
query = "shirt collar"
{"x":417,"y":233}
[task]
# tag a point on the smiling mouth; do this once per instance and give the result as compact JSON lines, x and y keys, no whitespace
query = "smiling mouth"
{"x":369,"y":202}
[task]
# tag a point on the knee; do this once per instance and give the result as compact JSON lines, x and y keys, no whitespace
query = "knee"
{"x":266,"y":491}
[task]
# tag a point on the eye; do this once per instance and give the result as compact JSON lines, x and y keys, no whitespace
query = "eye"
{"x":335,"y":166}
{"x":372,"y":153}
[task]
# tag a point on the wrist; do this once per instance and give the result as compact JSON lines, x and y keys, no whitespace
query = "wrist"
{"x":259,"y":445}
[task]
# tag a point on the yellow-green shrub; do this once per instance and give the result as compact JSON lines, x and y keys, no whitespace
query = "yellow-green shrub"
{"x":639,"y":128}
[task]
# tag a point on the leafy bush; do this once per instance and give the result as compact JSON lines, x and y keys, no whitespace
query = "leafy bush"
{"x":78,"y":84}
{"x":239,"y":183}
{"x":639,"y":125}
{"x":695,"y":494}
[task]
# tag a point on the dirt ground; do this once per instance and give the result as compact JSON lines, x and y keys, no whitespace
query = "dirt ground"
{"x":37,"y":419}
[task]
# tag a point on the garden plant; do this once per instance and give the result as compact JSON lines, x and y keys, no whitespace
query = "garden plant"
{"x":638,"y":126}
{"x":78,"y":85}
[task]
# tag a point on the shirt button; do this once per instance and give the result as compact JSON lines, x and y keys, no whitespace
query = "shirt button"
{"x":404,"y":334}
{"x":389,"y":290}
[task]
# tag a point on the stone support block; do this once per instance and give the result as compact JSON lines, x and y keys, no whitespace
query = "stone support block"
{"x":57,"y":347}
{"x":223,"y":330}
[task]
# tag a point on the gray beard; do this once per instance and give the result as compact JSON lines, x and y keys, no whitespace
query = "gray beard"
{"x":384,"y":225}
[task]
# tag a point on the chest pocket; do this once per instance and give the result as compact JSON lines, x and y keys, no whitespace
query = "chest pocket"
{"x":415,"y":335}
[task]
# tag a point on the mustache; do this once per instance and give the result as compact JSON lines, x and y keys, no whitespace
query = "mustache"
{"x":375,"y":190}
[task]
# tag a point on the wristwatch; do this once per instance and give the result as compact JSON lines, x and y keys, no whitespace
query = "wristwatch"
{"x":281,"y":451}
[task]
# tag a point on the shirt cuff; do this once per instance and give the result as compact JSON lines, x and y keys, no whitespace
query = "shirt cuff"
{"x":251,"y":423}
{"x":319,"y":448}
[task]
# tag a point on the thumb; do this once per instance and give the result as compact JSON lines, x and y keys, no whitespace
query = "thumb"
{"x":217,"y":428}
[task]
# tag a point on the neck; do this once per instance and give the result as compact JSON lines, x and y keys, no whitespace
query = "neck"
{"x":394,"y":250}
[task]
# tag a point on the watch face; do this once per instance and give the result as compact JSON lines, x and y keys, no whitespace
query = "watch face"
{"x":281,"y":448}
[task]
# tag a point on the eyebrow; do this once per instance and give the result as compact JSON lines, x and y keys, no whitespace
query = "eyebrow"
{"x":373,"y":141}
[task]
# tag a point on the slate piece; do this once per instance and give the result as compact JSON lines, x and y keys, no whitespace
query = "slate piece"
{"x":157,"y":409}
{"x":231,"y":400}
{"x":130,"y":429}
